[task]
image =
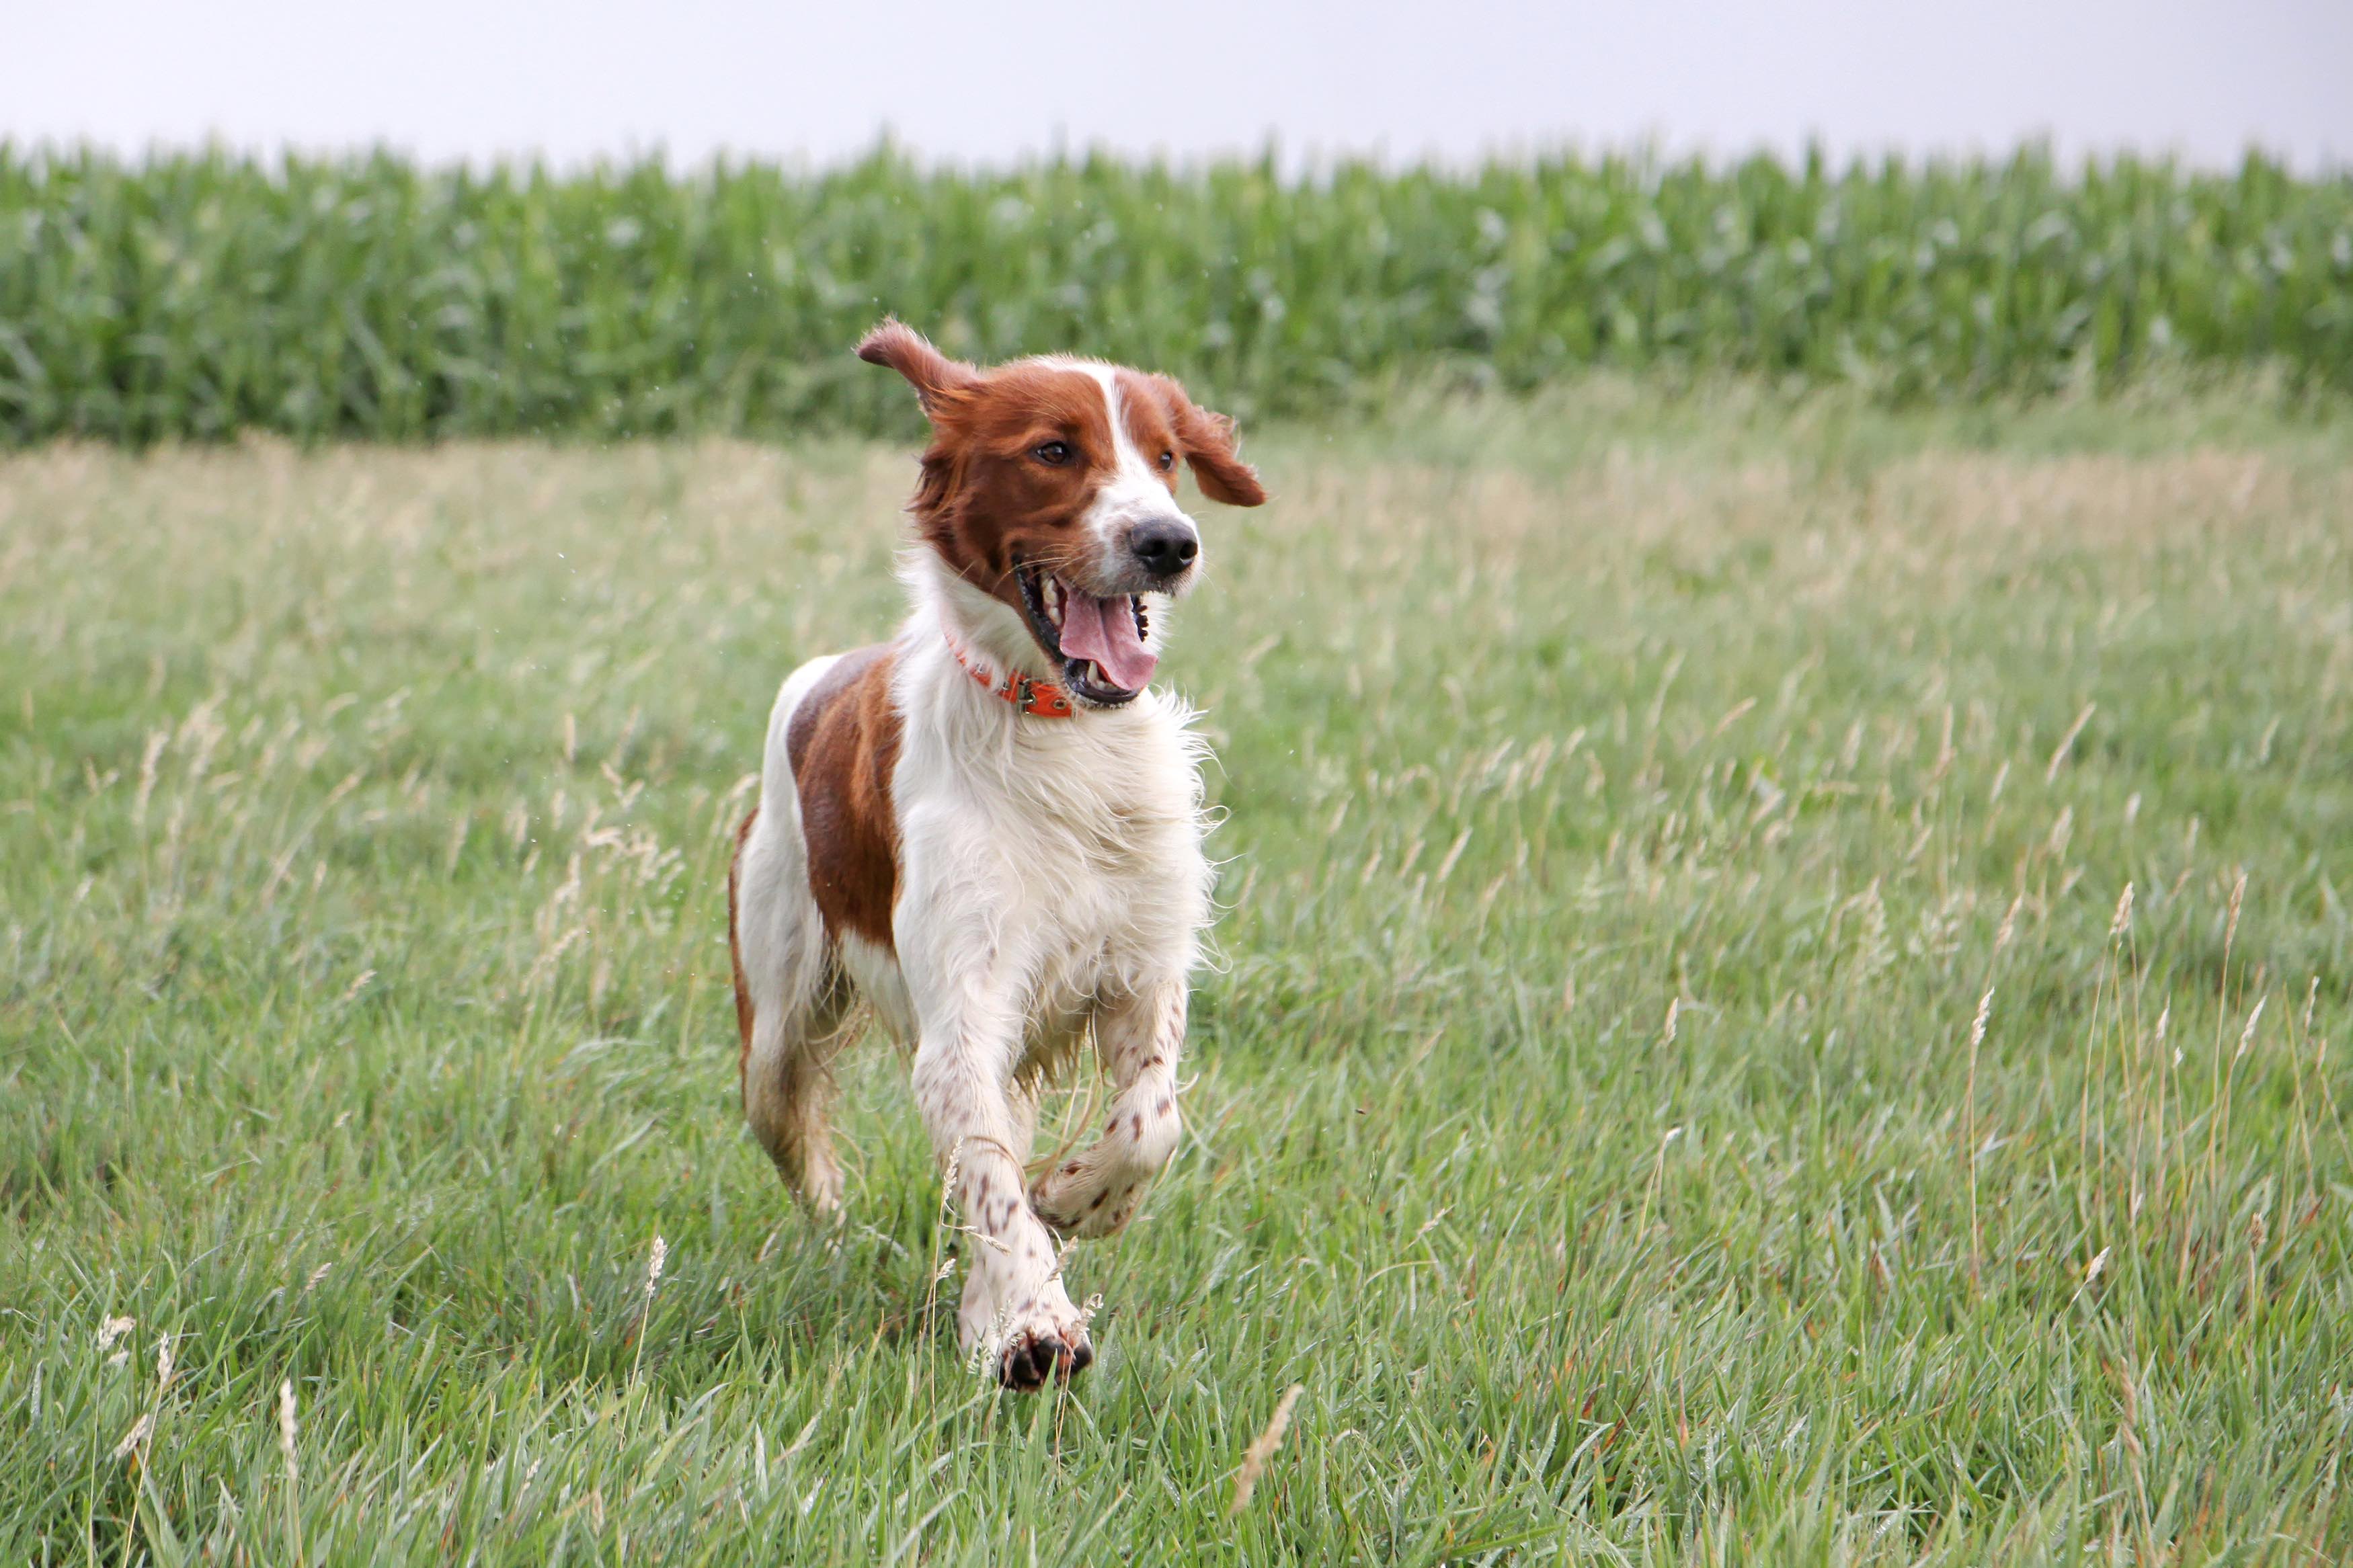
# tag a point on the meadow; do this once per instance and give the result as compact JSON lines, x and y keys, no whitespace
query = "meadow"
{"x":1775,"y":1002}
{"x":192,"y":296}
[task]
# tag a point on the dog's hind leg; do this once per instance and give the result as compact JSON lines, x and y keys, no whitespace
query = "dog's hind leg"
{"x":791,"y":1003}
{"x":1139,"y":1039}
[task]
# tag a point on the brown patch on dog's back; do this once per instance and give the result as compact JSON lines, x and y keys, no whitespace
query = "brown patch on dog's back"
{"x":843,"y":742}
{"x":735,"y":941}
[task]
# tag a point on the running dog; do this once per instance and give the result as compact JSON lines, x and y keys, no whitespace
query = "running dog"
{"x":988,"y":828}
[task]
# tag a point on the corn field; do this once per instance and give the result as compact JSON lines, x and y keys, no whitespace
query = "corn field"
{"x":192,"y":296}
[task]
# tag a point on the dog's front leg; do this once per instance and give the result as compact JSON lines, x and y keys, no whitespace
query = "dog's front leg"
{"x":1014,"y":1301}
{"x":1139,"y":1039}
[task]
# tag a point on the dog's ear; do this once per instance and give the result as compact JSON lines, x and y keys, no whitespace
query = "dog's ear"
{"x":1208,"y":438}
{"x":935,"y":377}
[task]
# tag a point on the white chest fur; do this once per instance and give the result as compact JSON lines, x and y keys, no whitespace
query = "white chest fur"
{"x":1050,"y":862}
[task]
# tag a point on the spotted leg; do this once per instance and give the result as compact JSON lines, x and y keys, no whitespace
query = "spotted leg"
{"x":1094,"y":1192}
{"x":980,"y":1119}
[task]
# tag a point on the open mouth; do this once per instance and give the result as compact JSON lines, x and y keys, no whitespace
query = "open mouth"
{"x":1099,"y":642}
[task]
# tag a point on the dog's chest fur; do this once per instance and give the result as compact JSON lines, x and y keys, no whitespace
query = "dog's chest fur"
{"x":1064,"y":854}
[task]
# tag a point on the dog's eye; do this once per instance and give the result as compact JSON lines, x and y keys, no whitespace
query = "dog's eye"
{"x":1054,"y":454}
{"x":1166,"y":458}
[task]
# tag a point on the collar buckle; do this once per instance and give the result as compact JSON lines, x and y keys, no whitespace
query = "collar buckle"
{"x":1040,"y":698}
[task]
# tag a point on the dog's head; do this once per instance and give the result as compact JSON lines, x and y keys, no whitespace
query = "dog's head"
{"x":1049,"y":486}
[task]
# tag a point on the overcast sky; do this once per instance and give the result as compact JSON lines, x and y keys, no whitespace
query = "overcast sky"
{"x":978,"y":82}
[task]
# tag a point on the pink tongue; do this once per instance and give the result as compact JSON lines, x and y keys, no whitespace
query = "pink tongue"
{"x":1105,"y":630}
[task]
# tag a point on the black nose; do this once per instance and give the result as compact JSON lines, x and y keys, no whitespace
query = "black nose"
{"x":1164,"y":546}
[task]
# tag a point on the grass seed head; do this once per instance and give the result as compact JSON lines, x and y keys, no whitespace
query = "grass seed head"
{"x":138,"y":1433}
{"x":288,"y":1430}
{"x":1254,"y":1458}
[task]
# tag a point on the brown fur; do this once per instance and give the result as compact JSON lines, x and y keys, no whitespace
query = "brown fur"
{"x":843,"y":742}
{"x":983,"y":499}
{"x":1161,"y":418}
{"x":932,"y":373}
{"x":985,"y":502}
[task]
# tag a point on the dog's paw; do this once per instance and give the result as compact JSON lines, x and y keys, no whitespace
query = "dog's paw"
{"x":1045,"y":1339}
{"x":819,"y":1190}
{"x":1033,"y":1357}
{"x":1079,"y":1201}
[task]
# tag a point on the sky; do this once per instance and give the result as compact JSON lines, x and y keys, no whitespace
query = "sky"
{"x":979,"y":83}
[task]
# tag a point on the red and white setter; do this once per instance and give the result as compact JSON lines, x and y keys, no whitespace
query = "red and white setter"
{"x":988,"y":828}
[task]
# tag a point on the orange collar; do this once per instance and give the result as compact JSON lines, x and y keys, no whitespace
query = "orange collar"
{"x":1042,"y":699}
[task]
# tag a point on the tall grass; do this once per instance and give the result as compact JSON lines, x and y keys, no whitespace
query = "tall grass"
{"x":196,"y":295}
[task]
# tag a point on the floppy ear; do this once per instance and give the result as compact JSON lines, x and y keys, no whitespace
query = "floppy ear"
{"x":935,"y":377}
{"x":1208,"y":438}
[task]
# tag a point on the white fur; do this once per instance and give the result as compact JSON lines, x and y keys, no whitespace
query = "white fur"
{"x":1134,"y":492}
{"x":1052,"y":881}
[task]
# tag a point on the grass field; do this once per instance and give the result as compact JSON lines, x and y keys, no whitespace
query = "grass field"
{"x":1630,"y":802}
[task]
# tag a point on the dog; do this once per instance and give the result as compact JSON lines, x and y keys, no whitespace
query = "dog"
{"x":988,"y":830}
